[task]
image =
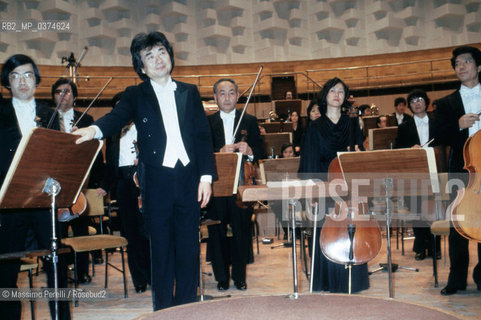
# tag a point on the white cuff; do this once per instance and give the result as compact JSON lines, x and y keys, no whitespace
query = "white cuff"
{"x":206,"y":178}
{"x":98,"y":134}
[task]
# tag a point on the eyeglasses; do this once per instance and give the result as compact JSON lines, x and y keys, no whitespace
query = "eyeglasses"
{"x":416,"y":100}
{"x":17,"y":76}
{"x":58,"y":91}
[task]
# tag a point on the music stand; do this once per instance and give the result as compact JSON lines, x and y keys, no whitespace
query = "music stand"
{"x":48,"y":169}
{"x":228,"y":170}
{"x":382,"y":138}
{"x":388,"y":172}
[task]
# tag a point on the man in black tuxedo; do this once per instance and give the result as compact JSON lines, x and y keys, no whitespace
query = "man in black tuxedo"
{"x":456,"y":119}
{"x":175,"y":148}
{"x":247,"y":141}
{"x":18,"y":117}
{"x":400,"y":107}
{"x":121,"y":165}
{"x":413,"y":133}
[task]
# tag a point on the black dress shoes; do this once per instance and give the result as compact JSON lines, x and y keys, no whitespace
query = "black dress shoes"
{"x":140,"y":289}
{"x":241,"y":285}
{"x":447,"y":291}
{"x":420,"y":256}
{"x":223,"y":285}
{"x":84,"y":278}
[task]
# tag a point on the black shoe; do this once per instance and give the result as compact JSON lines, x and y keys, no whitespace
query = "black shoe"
{"x":447,"y":291}
{"x":84,"y":278}
{"x":223,"y":285}
{"x":241,"y":285}
{"x":420,"y":256}
{"x":140,"y":289}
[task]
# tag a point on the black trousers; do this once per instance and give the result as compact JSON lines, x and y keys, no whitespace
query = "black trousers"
{"x":459,"y":261}
{"x":223,"y":251}
{"x":172,"y":216}
{"x":132,"y":228}
{"x":14,"y":226}
{"x":424,"y":240}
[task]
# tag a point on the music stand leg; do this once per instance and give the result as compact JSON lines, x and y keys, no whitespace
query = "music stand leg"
{"x":313,"y":254}
{"x":295,"y":294}
{"x":52,"y":188}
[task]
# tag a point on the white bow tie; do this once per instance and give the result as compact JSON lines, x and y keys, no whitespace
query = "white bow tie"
{"x":227,"y":116}
{"x":424,"y":120}
{"x":469,"y":92}
{"x":170,"y":86}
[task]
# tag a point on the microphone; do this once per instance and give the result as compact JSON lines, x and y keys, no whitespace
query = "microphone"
{"x":82,"y":55}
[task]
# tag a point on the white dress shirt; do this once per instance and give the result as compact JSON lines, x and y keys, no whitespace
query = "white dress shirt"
{"x":228,"y":121}
{"x":127,"y":152}
{"x":399,"y":117}
{"x":422,"y":126}
{"x":25,"y":112}
{"x":67,"y":119}
{"x":175,"y":149}
{"x":472,"y":104}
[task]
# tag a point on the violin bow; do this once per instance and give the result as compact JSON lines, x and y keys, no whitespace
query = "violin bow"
{"x":91,"y":103}
{"x":62,"y":95}
{"x":247,"y":102}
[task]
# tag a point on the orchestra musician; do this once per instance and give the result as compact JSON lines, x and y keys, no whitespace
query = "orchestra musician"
{"x":415,"y":132}
{"x":175,"y":149}
{"x":224,"y":252}
{"x":400,"y":110}
{"x":64,"y":94}
{"x":456,"y":119}
{"x":18,"y":117}
{"x":333,"y":131}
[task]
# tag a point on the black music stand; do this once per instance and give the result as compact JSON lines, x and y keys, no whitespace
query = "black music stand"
{"x":228,"y":169}
{"x":387,"y":176}
{"x":48,"y":170}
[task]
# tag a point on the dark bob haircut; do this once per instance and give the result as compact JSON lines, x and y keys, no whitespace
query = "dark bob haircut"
{"x":325,"y":90}
{"x":16,"y":61}
{"x":144,"y":41}
{"x":63,"y":81}
{"x":475,"y":53}
{"x":418,"y":93}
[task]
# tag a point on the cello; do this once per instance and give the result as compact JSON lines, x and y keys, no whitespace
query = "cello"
{"x":349,"y":235}
{"x":466,"y":215}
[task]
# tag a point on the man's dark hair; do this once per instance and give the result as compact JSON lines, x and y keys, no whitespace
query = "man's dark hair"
{"x":322,"y":99}
{"x":144,"y":41}
{"x":475,"y":53}
{"x":16,"y":61}
{"x":62,"y":81}
{"x":399,"y":100}
{"x":418,"y":93}
{"x":378,"y":119}
{"x":228,"y":80}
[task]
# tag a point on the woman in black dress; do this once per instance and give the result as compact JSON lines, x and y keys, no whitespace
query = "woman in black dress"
{"x":333,"y":131}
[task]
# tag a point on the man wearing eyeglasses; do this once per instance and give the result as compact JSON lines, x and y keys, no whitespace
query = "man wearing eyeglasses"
{"x":456,"y":119}
{"x":416,"y":132}
{"x":18,"y":117}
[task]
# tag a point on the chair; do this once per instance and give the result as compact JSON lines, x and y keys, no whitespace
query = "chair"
{"x":95,"y":208}
{"x":441,"y":226}
{"x":274,"y":141}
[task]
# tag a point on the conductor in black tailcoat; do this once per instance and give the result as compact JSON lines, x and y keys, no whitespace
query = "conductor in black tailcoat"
{"x":415,"y":132}
{"x":247,"y":141}
{"x":175,"y":148}
{"x":456,"y":119}
{"x":18,"y":117}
